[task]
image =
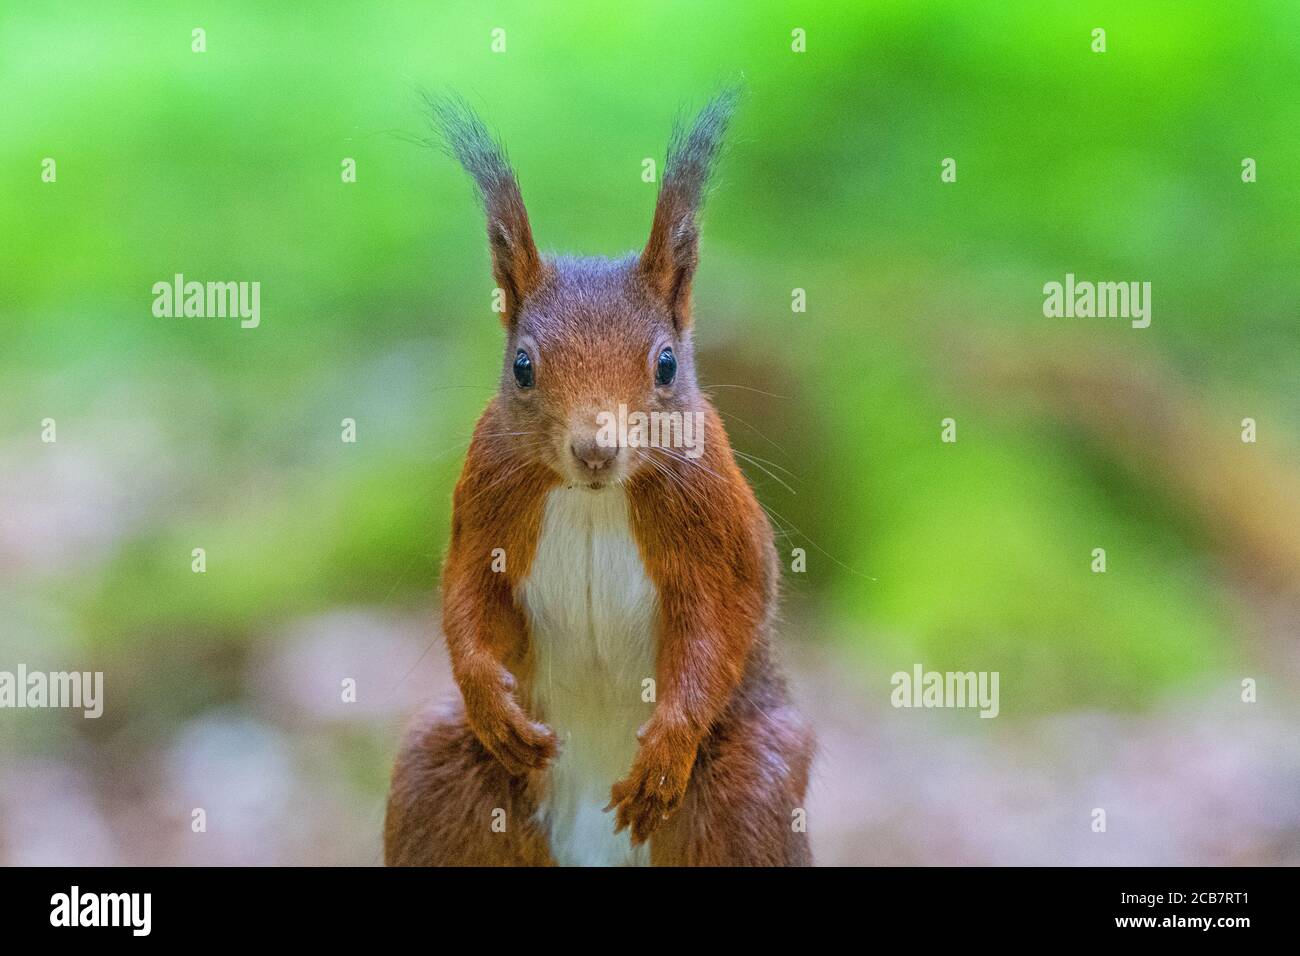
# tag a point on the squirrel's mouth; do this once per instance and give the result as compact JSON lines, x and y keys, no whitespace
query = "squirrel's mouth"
{"x":591,"y":485}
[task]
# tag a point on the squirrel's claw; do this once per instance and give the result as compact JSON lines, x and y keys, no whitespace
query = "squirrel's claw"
{"x":518,"y":743}
{"x":645,"y":799}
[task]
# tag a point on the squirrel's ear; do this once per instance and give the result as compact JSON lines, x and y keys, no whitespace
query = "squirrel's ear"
{"x":669,"y":259}
{"x":515,"y":263}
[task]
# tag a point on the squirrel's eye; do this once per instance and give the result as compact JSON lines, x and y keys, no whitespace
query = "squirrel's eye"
{"x":523,"y":369}
{"x":666,"y":368}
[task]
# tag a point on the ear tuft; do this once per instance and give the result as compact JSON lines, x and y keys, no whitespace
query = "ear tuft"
{"x":672,"y":252}
{"x":460,"y":133}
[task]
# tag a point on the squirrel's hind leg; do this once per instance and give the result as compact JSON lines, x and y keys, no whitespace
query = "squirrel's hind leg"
{"x":451,"y":803}
{"x":745,"y":804}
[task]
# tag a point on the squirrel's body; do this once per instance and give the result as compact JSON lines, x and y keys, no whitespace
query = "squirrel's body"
{"x":607,"y":605}
{"x":591,"y":611}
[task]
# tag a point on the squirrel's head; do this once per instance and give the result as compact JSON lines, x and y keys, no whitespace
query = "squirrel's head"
{"x":598,"y":378}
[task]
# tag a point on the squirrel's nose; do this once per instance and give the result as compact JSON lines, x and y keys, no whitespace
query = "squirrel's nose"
{"x":593,"y":454}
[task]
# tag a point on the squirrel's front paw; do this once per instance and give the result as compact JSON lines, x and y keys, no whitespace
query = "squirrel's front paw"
{"x":650,"y":793}
{"x":518,"y":742}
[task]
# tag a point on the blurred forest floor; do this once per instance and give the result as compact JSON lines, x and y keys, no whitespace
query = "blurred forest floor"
{"x":293,"y":775}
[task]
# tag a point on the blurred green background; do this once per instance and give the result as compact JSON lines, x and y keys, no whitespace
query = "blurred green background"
{"x":924,"y":302}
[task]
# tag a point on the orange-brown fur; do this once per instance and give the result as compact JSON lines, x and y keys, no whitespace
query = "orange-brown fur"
{"x":722,"y":764}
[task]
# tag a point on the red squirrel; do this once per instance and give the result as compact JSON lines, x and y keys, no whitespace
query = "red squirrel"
{"x":608,"y":602}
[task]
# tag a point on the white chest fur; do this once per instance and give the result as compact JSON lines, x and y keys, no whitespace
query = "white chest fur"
{"x":592,"y":611}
